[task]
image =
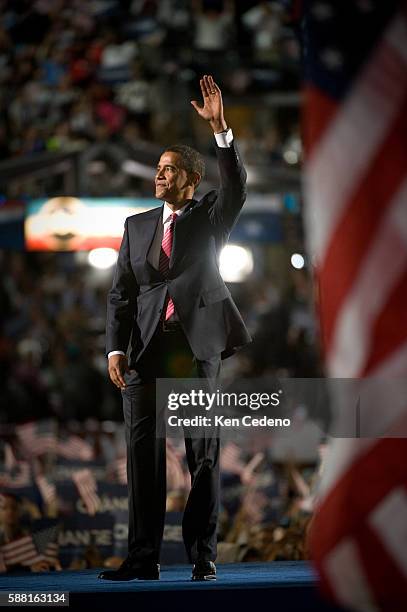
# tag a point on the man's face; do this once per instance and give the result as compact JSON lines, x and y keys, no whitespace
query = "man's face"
{"x":172,"y":183}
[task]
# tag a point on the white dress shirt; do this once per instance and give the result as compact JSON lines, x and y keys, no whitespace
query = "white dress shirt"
{"x":223,"y":140}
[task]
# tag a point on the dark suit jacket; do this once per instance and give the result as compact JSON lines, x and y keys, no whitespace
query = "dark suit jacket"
{"x":203,"y":303}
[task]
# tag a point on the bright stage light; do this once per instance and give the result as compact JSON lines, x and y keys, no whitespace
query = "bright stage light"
{"x":291,"y":157}
{"x":102,"y":258}
{"x":297,"y":261}
{"x":235,"y":263}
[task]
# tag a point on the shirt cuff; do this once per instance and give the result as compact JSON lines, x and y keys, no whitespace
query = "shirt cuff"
{"x":223,"y":139}
{"x":115,"y":353}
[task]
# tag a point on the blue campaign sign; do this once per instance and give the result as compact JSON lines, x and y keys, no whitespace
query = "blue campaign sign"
{"x":113,"y":499}
{"x":64,"y":468}
{"x":108,"y":533}
{"x":30,"y":493}
{"x":80,"y":531}
{"x":68,"y":497}
{"x":107,"y":529}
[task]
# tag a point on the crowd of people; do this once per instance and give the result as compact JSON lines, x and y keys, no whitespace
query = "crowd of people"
{"x":52,"y":337}
{"x":97,"y":79}
{"x":74,"y":74}
{"x":265,"y":510}
{"x":53,"y":367}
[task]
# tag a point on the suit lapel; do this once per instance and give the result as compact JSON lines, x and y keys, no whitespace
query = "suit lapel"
{"x":148,"y":230}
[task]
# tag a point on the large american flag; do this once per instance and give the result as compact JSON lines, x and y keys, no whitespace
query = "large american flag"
{"x":355,"y":120}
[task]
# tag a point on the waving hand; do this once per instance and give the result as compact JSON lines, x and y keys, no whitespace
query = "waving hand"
{"x":212,"y":109}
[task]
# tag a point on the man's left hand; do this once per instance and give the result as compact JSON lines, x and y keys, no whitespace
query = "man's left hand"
{"x":212,"y":109}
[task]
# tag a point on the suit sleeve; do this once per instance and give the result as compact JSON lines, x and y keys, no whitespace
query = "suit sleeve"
{"x":232,"y":192}
{"x":121,"y":300}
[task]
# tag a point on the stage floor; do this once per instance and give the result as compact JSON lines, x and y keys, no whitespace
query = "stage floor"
{"x":288,"y":585}
{"x":178,"y":577}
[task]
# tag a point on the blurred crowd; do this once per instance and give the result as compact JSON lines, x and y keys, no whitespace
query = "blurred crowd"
{"x":74,"y":74}
{"x":52,"y":358}
{"x":52,"y":477}
{"x":99,"y":78}
{"x":52,"y":336}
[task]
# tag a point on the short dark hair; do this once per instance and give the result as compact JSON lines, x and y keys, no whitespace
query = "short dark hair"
{"x":191,"y":160}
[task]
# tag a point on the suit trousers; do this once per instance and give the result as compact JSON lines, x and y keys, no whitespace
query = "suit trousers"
{"x":168,"y":355}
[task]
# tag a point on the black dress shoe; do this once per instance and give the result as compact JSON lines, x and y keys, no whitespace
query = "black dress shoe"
{"x":127,"y":571}
{"x":204,"y":570}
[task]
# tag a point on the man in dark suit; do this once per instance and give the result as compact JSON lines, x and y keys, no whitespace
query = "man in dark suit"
{"x":169,"y":305}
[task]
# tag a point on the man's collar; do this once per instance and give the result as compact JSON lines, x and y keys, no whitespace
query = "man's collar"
{"x":167,"y":211}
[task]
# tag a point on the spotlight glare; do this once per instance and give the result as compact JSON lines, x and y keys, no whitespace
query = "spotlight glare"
{"x":235,"y":263}
{"x":291,"y":157}
{"x":297,"y":261}
{"x":102,"y":258}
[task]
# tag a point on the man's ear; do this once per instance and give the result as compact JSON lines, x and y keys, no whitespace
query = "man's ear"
{"x":195,"y":178}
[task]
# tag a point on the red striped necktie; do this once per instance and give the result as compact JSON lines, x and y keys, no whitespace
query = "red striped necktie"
{"x":164,"y":264}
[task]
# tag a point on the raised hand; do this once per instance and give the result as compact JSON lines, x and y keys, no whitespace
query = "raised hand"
{"x":212,"y":109}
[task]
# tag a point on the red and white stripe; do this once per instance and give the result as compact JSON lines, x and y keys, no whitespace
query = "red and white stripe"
{"x":360,"y":125}
{"x":20,"y":552}
{"x":120,"y":470}
{"x":46,"y":488}
{"x":230,"y":459}
{"x":50,"y":553}
{"x":355,"y":199}
{"x":75,"y":447}
{"x":87,"y":488}
{"x":356,"y":222}
{"x":36,"y":443}
{"x":177,"y":477}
